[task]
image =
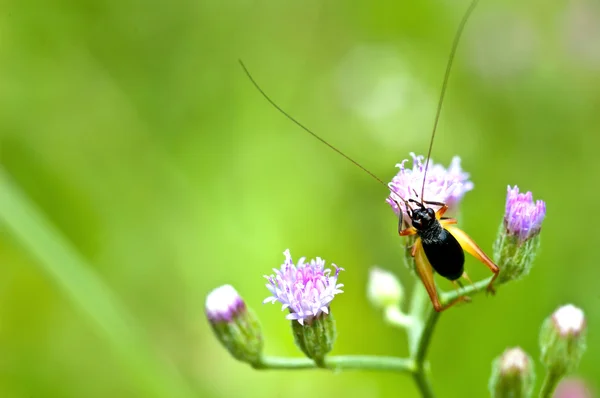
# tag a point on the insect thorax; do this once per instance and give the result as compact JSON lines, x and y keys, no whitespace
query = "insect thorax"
{"x":426,"y":224}
{"x":432,"y":233}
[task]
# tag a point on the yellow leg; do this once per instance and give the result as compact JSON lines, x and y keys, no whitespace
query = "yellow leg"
{"x":448,"y":221}
{"x":464,"y":275}
{"x":408,"y":231}
{"x":471,"y":247}
{"x":441,"y":211}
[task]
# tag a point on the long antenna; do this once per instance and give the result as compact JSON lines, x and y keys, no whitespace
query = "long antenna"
{"x":309,"y":131}
{"x":457,"y":37}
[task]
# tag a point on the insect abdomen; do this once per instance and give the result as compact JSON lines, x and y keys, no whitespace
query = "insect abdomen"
{"x":445,"y":255}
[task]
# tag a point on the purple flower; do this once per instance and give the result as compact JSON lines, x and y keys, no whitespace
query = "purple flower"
{"x":306,"y":289}
{"x":442,"y":185}
{"x":223,"y":304}
{"x":523,"y":217}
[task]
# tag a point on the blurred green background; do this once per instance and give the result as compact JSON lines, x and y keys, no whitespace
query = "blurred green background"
{"x":160,"y":173}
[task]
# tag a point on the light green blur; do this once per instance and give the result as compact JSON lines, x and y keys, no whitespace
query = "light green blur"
{"x":141,"y":169}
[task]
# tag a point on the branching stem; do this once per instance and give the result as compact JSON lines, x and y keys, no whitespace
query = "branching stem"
{"x":420,"y":325}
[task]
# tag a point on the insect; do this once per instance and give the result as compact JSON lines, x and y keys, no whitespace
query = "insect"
{"x":439,"y":245}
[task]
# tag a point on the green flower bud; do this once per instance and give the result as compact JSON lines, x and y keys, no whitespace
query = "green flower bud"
{"x":315,"y":336}
{"x":562,"y":340}
{"x":512,"y":375}
{"x":234,"y":324}
{"x":384,"y":289}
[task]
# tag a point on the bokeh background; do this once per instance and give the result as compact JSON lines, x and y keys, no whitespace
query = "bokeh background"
{"x":141,"y":170}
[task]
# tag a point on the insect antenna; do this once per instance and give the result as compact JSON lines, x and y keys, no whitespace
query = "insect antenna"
{"x":457,"y":36}
{"x":303,"y":127}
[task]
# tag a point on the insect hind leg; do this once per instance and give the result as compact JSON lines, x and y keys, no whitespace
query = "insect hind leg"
{"x":425,"y":273}
{"x":473,"y":249}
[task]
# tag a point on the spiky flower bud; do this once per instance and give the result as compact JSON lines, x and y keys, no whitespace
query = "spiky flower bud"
{"x":518,"y":238}
{"x":512,"y":375}
{"x":563,"y":340}
{"x":234,"y":324}
{"x":306,"y":290}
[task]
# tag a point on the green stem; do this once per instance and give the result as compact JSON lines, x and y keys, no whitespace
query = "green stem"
{"x":350,"y":362}
{"x":423,"y":384}
{"x":421,"y":333}
{"x":467,"y":290}
{"x":420,"y":338}
{"x":426,"y":334}
{"x":549,"y":384}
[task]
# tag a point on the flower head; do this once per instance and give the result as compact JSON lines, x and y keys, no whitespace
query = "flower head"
{"x":523,"y":217}
{"x":306,"y":289}
{"x":223,"y":303}
{"x":442,"y":185}
{"x":563,"y":340}
{"x":512,"y":375}
{"x":234,"y":325}
{"x":569,"y":320}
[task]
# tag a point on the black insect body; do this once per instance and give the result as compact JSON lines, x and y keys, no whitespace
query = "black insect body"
{"x":444,"y":253}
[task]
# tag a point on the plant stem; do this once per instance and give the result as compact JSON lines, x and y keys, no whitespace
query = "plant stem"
{"x":549,"y":384}
{"x":420,"y":338}
{"x":350,"y":362}
{"x":422,"y":331}
{"x":423,"y":384}
{"x":467,"y":290}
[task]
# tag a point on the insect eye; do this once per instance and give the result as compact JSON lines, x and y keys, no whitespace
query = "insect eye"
{"x":430,"y":212}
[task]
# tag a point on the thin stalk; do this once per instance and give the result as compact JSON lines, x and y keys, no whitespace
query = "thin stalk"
{"x":349,"y":362}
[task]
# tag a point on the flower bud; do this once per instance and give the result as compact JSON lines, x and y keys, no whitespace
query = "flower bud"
{"x":315,"y":337}
{"x":562,"y":340}
{"x":384,"y":289}
{"x":512,"y":375}
{"x":234,"y":324}
{"x":572,"y":388}
{"x":518,"y":238}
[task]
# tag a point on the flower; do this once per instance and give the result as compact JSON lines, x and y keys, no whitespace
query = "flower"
{"x":569,"y":320}
{"x":442,"y":185}
{"x":223,"y":303}
{"x":572,"y":388}
{"x":523,"y":218}
{"x":306,"y":290}
{"x":512,"y":375}
{"x":518,"y":238}
{"x":563,"y":340}
{"x":234,"y":325}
